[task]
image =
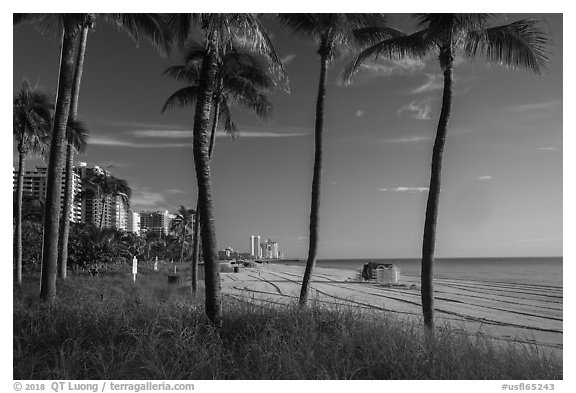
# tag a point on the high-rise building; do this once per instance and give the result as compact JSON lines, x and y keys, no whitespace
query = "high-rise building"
{"x":155,"y":221}
{"x":35,"y":183}
{"x":133,"y":222}
{"x":120,"y":214}
{"x":111,"y":211}
{"x":255,"y":250}
{"x":251,"y":246}
{"x":270,"y":249}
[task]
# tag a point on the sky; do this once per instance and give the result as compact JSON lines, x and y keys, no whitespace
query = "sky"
{"x":502,"y":189}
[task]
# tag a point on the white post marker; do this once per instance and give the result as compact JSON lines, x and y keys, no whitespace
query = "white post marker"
{"x":156,"y":264}
{"x":134,"y":267}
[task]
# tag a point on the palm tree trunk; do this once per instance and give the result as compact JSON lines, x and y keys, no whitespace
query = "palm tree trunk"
{"x":196,"y":232}
{"x":195,"y":248}
{"x":18,"y":229}
{"x":54,"y":179}
{"x":68,"y":200}
{"x":182,"y":243}
{"x":202,"y":164}
{"x":214,"y":126}
{"x":66,"y":211}
{"x":316,"y":177}
{"x":429,"y":239}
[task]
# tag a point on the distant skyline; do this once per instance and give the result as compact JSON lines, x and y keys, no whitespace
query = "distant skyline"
{"x":502,"y":179}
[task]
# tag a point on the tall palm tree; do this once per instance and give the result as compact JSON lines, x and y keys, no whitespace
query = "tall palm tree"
{"x":219,"y":30}
{"x":241,"y":78}
{"x":333,"y":33}
{"x":76,"y":139}
{"x":106,"y":187}
{"x":184,"y":219}
{"x":70,"y":26}
{"x":30,"y":127}
{"x":521,"y":44}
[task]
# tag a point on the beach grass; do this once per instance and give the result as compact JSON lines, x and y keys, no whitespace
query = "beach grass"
{"x":108,"y":327}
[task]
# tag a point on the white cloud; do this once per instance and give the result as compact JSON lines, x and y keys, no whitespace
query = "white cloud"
{"x":411,"y":190}
{"x":153,"y":133}
{"x":535,"y":106}
{"x":485,"y":177}
{"x":433,"y":82}
{"x":418,"y":109}
{"x":113,"y":142}
{"x":288,"y":59}
{"x":180,"y":134}
{"x":133,"y":124}
{"x":391,"y":67}
{"x":144,"y":199}
{"x":267,"y":134}
{"x":176,"y":191}
{"x":359,"y":113}
{"x":423,"y":138}
{"x":408,"y":139}
{"x":550,"y":148}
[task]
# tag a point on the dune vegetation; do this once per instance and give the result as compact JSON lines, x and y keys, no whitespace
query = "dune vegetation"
{"x":109,"y":327}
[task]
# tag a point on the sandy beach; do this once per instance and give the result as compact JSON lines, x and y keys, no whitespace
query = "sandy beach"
{"x":503,"y":311}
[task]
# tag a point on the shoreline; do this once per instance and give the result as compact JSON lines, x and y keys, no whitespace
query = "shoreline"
{"x":506,"y":312}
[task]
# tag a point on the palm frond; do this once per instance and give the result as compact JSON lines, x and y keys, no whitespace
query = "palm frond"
{"x":194,"y":52}
{"x":181,"y":98}
{"x":77,"y":134}
{"x":414,"y":45}
{"x":31,"y":118}
{"x":229,"y":127}
{"x":359,"y":21}
{"x":257,"y":40}
{"x":177,"y":27}
{"x":152,"y":27}
{"x":247,"y":66}
{"x":302,"y":24}
{"x":189,"y":73}
{"x":370,"y":35}
{"x":247,"y":95}
{"x":521,"y":44}
{"x":257,"y":77}
{"x":25,"y":18}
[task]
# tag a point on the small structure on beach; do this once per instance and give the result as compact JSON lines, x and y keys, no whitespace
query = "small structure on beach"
{"x":381,"y":273}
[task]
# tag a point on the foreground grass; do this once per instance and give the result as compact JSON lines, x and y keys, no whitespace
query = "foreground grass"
{"x":110,"y":328}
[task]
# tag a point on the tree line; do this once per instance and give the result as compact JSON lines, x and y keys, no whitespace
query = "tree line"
{"x":225,"y":66}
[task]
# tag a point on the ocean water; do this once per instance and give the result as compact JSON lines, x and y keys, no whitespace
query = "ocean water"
{"x":546,"y":271}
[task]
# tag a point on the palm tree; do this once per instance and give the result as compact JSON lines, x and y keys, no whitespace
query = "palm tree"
{"x":105,"y":187}
{"x":103,"y":246}
{"x":184,"y":219}
{"x":30,"y":127}
{"x":77,"y":139}
{"x":241,"y":78}
{"x":220,"y":31}
{"x":332,"y":33}
{"x":521,"y":44}
{"x":70,"y":26}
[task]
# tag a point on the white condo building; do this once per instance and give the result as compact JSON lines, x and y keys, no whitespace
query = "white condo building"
{"x":255,"y":249}
{"x":35,"y":182}
{"x":133,"y":222}
{"x":111,"y":211}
